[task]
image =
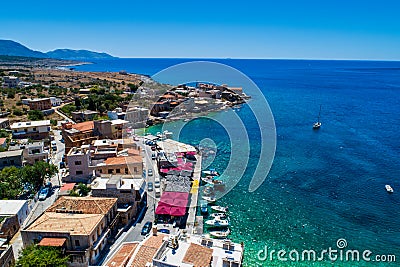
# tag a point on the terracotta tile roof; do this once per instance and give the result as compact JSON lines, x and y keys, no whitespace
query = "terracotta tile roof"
{"x":123,"y":160}
{"x":67,"y":186}
{"x":123,"y":255}
{"x":147,"y":251}
{"x":52,"y":242}
{"x":133,"y":151}
{"x":2,"y":140}
{"x":84,"y":126}
{"x":72,"y":223}
{"x":87,"y":205}
{"x":198,"y":255}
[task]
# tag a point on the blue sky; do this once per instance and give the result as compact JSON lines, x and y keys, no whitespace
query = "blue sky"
{"x":321,"y":29}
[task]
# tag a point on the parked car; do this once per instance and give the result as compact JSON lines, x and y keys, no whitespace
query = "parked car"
{"x":150,"y":172}
{"x":153,"y":156}
{"x":150,"y":186}
{"x":146,"y":228}
{"x":48,"y":185}
{"x":62,"y":165}
{"x":157,"y":192}
{"x":54,"y":145}
{"x":43,"y":193}
{"x":153,"y":148}
{"x":157,"y":183}
{"x":165,"y":231}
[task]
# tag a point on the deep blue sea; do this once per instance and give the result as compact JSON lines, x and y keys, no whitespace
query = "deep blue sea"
{"x":323,"y":185}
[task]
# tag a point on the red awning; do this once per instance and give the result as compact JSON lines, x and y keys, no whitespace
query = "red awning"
{"x":163,"y":209}
{"x":173,"y":203}
{"x":178,"y":211}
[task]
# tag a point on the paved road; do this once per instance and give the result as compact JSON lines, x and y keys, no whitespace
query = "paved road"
{"x":133,"y":233}
{"x":62,"y":115}
{"x":41,"y":206}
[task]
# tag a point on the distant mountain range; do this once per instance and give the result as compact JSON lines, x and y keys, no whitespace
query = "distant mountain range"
{"x":12,"y":48}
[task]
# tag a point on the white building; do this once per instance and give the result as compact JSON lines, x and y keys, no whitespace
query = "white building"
{"x":55,"y":101}
{"x":31,"y":129}
{"x":19,"y":208}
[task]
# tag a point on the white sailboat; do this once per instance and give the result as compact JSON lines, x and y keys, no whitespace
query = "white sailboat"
{"x":317,"y":124}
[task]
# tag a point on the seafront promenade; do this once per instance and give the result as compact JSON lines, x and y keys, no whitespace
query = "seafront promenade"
{"x":194,"y":195}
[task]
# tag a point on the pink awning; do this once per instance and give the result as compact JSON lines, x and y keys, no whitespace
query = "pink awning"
{"x":178,"y":211}
{"x":163,"y":209}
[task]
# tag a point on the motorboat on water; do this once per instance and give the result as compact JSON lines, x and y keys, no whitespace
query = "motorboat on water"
{"x":211,"y":172}
{"x":209,"y":199}
{"x":219,"y":209}
{"x":389,"y":189}
{"x":220,"y":234}
{"x":217,"y":223}
{"x":208,"y":190}
{"x":219,"y":215}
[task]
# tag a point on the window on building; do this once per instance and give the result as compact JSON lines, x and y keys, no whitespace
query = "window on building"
{"x":12,"y":162}
{"x":110,"y":171}
{"x":118,"y":171}
{"x":126,"y":171}
{"x":78,"y":162}
{"x":77,"y":243}
{"x":34,"y":129}
{"x":79,"y":172}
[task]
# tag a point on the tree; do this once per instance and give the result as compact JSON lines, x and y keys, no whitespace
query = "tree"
{"x":36,"y":174}
{"x":35,"y":115}
{"x":34,"y":255}
{"x":10,"y":183}
{"x":78,"y":103}
{"x":83,"y":189}
{"x":17,"y":112}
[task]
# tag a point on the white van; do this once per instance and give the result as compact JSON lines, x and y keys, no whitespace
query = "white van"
{"x":54,"y":145}
{"x":157,"y":192}
{"x":157,"y":182}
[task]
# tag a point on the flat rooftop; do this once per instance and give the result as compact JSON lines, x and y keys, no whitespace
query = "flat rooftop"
{"x":12,"y":153}
{"x":11,"y":207}
{"x":28,"y":124}
{"x":127,"y":183}
{"x":172,"y":146}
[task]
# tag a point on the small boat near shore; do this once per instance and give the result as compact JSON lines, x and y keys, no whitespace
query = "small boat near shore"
{"x":219,"y":215}
{"x":389,"y":189}
{"x":220,"y":234}
{"x":217,"y":223}
{"x":211,"y":172}
{"x":209,"y":199}
{"x":219,"y":209}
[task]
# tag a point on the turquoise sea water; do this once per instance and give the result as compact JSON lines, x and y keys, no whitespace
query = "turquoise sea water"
{"x":323,"y":185}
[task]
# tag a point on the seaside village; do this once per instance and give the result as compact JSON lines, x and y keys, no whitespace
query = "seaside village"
{"x":117,"y":198}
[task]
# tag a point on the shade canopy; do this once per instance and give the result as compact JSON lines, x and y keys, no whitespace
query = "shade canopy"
{"x":178,"y":211}
{"x":173,"y":203}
